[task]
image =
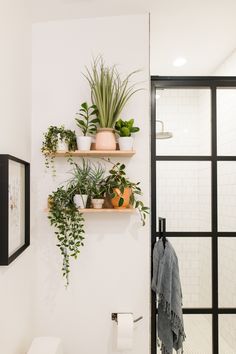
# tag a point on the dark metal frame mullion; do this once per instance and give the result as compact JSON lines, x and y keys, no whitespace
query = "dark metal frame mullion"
{"x":153,"y":214}
{"x":193,"y":158}
{"x":214,"y":213}
{"x":194,"y":82}
{"x":185,"y":234}
{"x":183,"y":158}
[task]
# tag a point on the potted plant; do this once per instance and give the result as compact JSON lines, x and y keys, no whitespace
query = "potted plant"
{"x":87,"y":124}
{"x":124,"y":129}
{"x":69,"y":224}
{"x":98,"y":187}
{"x":56,"y":139}
{"x":80,"y":183}
{"x":123,"y":192}
{"x":109,"y":93}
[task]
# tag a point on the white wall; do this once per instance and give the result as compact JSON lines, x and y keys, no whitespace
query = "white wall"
{"x":15,"y":112}
{"x":113,"y":271}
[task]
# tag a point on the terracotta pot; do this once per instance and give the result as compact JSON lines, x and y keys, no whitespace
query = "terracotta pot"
{"x":50,"y":202}
{"x":105,"y":139}
{"x":125,"y":196}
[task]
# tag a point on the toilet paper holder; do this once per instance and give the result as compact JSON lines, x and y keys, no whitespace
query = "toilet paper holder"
{"x":114,"y":317}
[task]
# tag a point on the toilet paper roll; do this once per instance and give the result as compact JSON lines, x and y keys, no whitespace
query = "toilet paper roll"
{"x":125,"y":330}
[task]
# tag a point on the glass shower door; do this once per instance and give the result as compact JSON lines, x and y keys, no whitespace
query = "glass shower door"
{"x":193,"y":180}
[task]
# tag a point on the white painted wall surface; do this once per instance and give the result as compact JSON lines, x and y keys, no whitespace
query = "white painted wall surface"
{"x":15,"y":71}
{"x":16,"y":280}
{"x":113,"y":271}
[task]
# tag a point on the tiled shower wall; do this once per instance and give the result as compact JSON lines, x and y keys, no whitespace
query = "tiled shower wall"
{"x":186,"y":113}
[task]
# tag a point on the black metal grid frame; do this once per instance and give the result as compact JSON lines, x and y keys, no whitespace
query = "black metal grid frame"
{"x":5,"y":259}
{"x":212,"y":83}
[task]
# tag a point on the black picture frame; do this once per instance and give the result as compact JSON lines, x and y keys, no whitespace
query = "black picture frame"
{"x":14,"y":183}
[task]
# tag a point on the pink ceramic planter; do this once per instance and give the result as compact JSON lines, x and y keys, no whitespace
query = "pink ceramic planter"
{"x":105,"y":139}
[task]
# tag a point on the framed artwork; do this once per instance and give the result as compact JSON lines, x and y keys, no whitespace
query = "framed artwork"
{"x":14,"y":208}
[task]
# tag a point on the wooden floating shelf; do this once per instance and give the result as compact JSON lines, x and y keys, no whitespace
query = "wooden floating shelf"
{"x":107,"y":210}
{"x":104,"y":210}
{"x":96,"y":153}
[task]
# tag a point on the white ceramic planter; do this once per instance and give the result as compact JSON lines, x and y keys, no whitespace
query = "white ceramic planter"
{"x":126,"y":143}
{"x":84,"y":142}
{"x":97,"y":203}
{"x":80,"y":200}
{"x":62,"y":145}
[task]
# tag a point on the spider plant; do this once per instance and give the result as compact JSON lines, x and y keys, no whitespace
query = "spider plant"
{"x":98,"y":187}
{"x":80,"y":183}
{"x":109,"y":92}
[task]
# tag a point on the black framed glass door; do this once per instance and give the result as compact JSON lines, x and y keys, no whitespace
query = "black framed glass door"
{"x":193,"y":161}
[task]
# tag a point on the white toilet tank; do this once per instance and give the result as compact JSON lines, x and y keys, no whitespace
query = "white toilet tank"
{"x":46,"y":345}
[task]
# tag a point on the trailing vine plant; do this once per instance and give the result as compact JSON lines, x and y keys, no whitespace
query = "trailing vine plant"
{"x":50,"y":144}
{"x":69,"y":225}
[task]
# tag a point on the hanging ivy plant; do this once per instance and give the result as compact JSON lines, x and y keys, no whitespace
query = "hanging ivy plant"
{"x":49,"y":148}
{"x":69,"y":225}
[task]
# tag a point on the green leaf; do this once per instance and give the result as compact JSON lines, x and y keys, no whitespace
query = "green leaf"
{"x":84,"y":105}
{"x":81,"y":122}
{"x":122,"y":189}
{"x":121,"y":202}
{"x":124,"y":132}
{"x":134,"y":130}
{"x":95,"y":120}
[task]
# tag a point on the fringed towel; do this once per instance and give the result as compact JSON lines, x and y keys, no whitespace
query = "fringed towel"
{"x":166,"y":284}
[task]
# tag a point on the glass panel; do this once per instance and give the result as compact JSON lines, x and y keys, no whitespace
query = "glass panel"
{"x":194,"y":255}
{"x":186,"y":113}
{"x":227,"y":266}
{"x":227,"y":196}
{"x":184,"y":195}
{"x":16,"y":206}
{"x":226,"y":123}
{"x":227,"y":337}
{"x":198,"y":329}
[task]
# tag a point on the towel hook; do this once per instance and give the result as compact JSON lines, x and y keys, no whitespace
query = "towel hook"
{"x":162,"y":230}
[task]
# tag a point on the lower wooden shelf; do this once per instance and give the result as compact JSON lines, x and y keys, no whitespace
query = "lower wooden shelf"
{"x":108,"y":210}
{"x":104,"y":210}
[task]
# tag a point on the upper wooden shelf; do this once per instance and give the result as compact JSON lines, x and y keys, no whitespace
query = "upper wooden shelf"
{"x":96,"y":153}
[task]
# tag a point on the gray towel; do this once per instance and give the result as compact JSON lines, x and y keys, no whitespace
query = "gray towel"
{"x":166,"y":284}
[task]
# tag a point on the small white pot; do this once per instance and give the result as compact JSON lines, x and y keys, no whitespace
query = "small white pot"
{"x":126,"y":143}
{"x":62,"y":145}
{"x":84,"y":142}
{"x":80,"y":200}
{"x":97,"y":203}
